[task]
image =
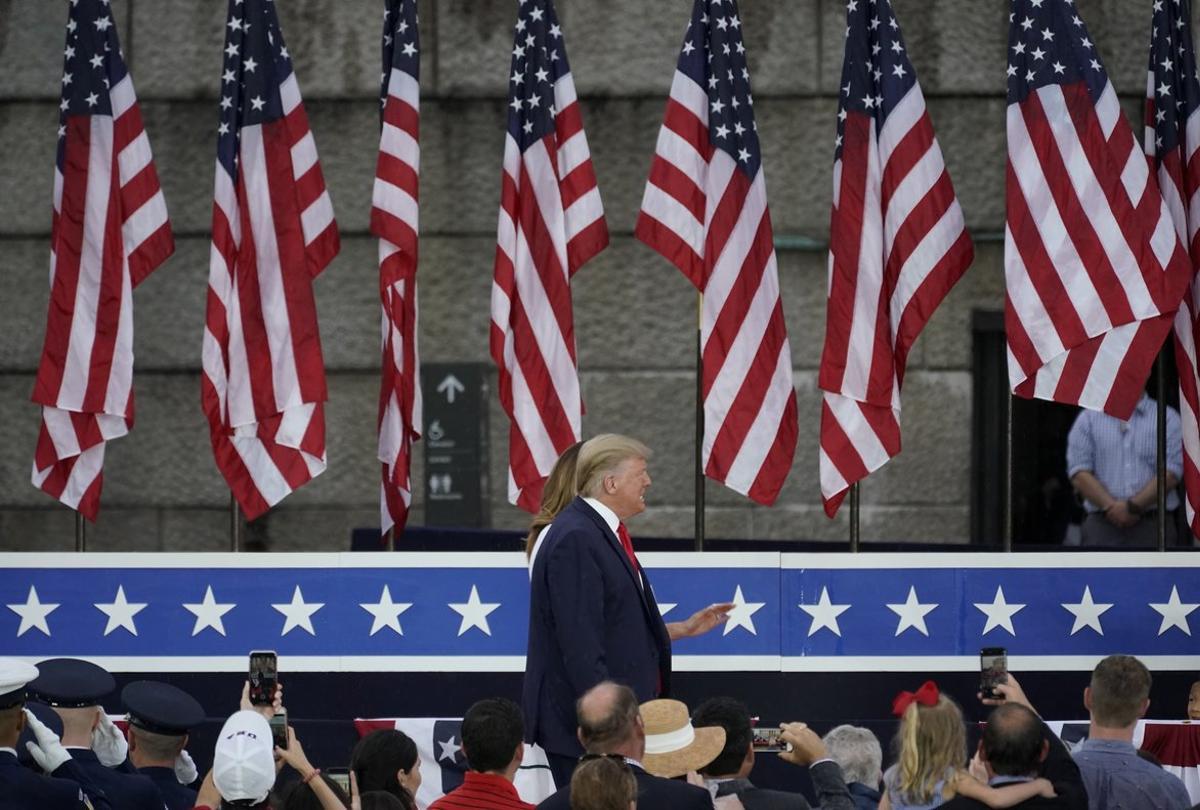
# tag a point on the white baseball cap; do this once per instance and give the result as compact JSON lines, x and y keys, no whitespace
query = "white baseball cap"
{"x":244,"y":761}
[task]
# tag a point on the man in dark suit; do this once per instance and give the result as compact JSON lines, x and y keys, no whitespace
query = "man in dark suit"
{"x":610,"y":725}
{"x":74,"y":689}
{"x":592,"y":613}
{"x":1017,"y":747}
{"x":20,"y":787}
{"x":729,"y":773}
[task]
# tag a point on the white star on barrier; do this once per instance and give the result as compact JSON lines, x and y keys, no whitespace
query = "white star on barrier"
{"x":742,"y":613}
{"x":474,"y":613}
{"x":298,"y":613}
{"x":999,"y":613}
{"x":209,"y":612}
{"x":120,"y":613}
{"x":912,"y":613}
{"x":1086,"y":612}
{"x":386,"y":612}
{"x":824,"y":614}
{"x":33,"y":613}
{"x":1174,"y":613}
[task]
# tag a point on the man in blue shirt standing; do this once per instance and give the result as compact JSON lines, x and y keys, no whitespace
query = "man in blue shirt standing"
{"x":1115,"y":776}
{"x":1112,"y":464}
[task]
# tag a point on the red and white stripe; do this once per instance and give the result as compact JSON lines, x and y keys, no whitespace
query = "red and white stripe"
{"x":711,"y":220}
{"x":551,"y":222}
{"x":263,"y":387}
{"x":1179,"y":181}
{"x":394,"y":220}
{"x":898,"y":245}
{"x":110,"y":231}
{"x":1094,"y":268}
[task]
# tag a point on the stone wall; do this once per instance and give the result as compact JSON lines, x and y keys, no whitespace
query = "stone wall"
{"x":634,"y":314}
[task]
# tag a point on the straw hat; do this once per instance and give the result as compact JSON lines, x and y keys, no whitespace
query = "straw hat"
{"x":673,"y":745}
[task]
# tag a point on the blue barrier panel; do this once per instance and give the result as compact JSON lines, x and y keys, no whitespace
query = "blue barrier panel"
{"x":469,"y":612}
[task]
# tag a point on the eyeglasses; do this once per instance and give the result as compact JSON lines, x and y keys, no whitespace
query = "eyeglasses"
{"x":614,"y":757}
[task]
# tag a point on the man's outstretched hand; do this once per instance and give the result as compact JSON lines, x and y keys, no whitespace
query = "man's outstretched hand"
{"x":701,"y":621}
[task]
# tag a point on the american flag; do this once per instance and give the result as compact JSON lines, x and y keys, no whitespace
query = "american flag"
{"x":1094,"y":268}
{"x":1172,"y":130}
{"x":551,"y":223}
{"x":263,"y":386}
{"x":109,"y":231}
{"x":705,"y":210}
{"x":898,"y":244}
{"x":394,"y":220}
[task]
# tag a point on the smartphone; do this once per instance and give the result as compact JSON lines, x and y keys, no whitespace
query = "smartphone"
{"x":264,"y":677}
{"x":993,"y":669}
{"x":279,"y":730}
{"x":340,"y":776}
{"x":767,"y":739}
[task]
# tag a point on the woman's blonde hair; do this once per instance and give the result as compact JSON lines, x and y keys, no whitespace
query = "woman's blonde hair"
{"x":556,"y":494}
{"x":600,"y":456}
{"x":933,"y":743}
{"x":602,"y":784}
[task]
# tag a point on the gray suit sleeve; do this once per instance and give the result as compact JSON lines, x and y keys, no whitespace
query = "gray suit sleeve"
{"x":832,"y":793}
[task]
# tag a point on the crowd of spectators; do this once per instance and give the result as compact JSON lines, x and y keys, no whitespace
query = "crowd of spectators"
{"x":60,"y":749}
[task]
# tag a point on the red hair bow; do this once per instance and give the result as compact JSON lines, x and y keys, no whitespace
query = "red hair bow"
{"x":927,"y":695}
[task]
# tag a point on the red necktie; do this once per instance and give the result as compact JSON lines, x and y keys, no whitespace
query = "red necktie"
{"x":627,"y":544}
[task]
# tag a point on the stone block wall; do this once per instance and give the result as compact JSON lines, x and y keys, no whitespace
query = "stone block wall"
{"x":635,"y":315}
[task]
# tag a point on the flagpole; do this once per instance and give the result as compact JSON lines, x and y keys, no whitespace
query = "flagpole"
{"x":391,"y":539}
{"x":1160,"y":519}
{"x":854,"y":530}
{"x":80,"y":532}
{"x":235,"y":524}
{"x":1008,"y":475}
{"x":699,"y":508}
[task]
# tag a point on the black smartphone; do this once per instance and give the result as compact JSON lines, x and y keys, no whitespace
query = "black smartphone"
{"x":279,"y":730}
{"x":993,"y":669}
{"x":264,"y":677}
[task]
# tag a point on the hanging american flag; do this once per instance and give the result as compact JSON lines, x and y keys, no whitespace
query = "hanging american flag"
{"x":551,"y":223}
{"x":705,"y":210}
{"x":394,"y":220}
{"x":1094,"y":269}
{"x":898,"y":244}
{"x":1172,"y":131}
{"x":263,"y":386}
{"x":109,"y":232}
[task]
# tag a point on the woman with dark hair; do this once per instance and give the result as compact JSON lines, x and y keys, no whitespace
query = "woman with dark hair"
{"x":387,"y":760}
{"x":560,"y":490}
{"x":301,"y":795}
{"x":380,"y":800}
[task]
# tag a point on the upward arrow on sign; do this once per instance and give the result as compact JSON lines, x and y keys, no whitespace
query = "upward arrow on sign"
{"x":451,"y":387}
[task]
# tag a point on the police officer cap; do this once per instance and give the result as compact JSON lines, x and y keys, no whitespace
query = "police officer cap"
{"x":70,"y":683}
{"x":50,"y":719}
{"x":161,"y":708}
{"x":14,"y":675}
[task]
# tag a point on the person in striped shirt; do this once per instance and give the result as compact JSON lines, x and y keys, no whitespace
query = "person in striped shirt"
{"x":493,"y":743}
{"x":1112,"y":463}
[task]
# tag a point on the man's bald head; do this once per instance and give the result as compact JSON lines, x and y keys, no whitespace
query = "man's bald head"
{"x":1013,"y":742}
{"x":608,"y":718}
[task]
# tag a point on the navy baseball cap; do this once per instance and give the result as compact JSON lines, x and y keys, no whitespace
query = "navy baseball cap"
{"x":70,"y":683}
{"x":161,"y":708}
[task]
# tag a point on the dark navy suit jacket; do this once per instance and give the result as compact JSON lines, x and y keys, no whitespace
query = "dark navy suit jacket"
{"x":174,"y":795}
{"x":21,"y":788}
{"x":592,"y":617}
{"x":126,"y":791}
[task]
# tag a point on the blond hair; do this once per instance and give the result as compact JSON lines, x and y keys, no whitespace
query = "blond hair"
{"x":600,"y":456}
{"x":556,"y":494}
{"x":933,"y":743}
{"x":602,"y":784}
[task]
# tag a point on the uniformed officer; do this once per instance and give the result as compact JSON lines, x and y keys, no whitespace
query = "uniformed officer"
{"x":160,"y":717}
{"x":50,"y":720}
{"x":74,"y":688}
{"x":21,"y":788}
